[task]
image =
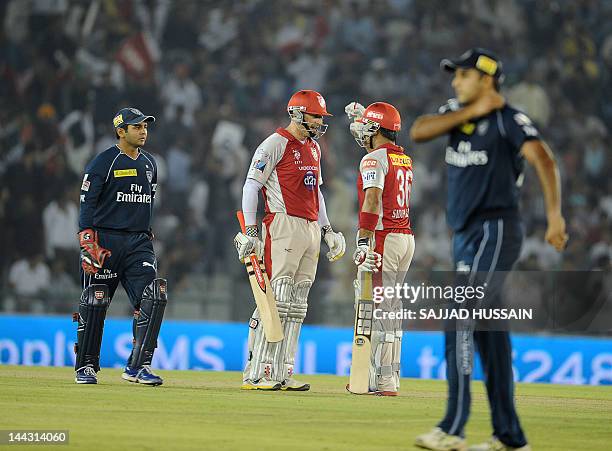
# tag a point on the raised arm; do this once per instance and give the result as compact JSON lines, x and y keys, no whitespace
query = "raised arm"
{"x":431,"y":126}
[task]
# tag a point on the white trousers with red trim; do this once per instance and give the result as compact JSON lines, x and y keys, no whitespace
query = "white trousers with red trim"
{"x":291,"y":252}
{"x":397,"y":250}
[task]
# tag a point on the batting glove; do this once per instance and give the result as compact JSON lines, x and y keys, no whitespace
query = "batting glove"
{"x":366,"y":260}
{"x":336,"y":243}
{"x":354,"y":110}
{"x":248,"y":243}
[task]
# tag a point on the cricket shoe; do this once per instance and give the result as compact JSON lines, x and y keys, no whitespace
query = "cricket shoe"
{"x":86,"y":375}
{"x":438,"y":440}
{"x":261,"y":384}
{"x":142,"y":375}
{"x":494,"y":444}
{"x":374,"y":392}
{"x":293,"y":385}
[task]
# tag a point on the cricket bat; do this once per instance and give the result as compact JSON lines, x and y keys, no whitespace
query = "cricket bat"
{"x":359,"y":379}
{"x":262,"y":291}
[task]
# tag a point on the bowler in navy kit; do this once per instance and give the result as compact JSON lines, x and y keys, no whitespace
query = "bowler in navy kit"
{"x":489,"y":142}
{"x":117,"y":195}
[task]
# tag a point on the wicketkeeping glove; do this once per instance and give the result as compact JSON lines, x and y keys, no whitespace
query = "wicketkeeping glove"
{"x":249,"y":242}
{"x":336,"y":243}
{"x":354,"y":110}
{"x":92,"y":254}
{"x":366,"y":259}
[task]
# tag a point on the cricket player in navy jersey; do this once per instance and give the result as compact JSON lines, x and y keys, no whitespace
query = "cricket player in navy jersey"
{"x":117,"y":195}
{"x":488,"y":144}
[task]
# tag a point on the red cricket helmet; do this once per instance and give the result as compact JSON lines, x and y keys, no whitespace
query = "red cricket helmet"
{"x":307,"y":101}
{"x":384,"y":114}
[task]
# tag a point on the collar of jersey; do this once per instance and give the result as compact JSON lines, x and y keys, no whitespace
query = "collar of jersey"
{"x":289,"y":136}
{"x":392,"y":147}
{"x":122,"y":152}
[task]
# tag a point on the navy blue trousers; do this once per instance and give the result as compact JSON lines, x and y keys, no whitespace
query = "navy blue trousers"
{"x":482,"y":253}
{"x":132,"y":263}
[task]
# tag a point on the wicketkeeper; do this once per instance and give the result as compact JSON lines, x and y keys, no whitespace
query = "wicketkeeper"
{"x":117,"y":195}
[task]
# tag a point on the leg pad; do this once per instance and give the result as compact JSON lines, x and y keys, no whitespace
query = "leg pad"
{"x":148,"y":323}
{"x":90,"y":318}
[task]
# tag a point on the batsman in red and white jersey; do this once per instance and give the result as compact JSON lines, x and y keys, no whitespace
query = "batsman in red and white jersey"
{"x":286,"y":167}
{"x":383,"y":190}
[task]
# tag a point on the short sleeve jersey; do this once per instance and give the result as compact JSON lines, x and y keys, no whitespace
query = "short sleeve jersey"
{"x":484,"y":163}
{"x":389,"y":169}
{"x":117,"y":192}
{"x":290,"y":172}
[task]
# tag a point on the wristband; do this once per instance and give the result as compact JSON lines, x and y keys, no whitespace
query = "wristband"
{"x":251,"y":231}
{"x":368,"y":221}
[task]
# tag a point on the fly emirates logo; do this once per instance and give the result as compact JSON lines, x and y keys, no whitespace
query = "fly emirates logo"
{"x":135,"y":195}
{"x":465,"y":156}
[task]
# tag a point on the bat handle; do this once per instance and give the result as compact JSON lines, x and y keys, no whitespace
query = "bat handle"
{"x":240,"y":217}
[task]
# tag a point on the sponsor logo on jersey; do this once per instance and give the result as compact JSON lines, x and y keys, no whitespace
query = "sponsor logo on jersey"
{"x":525,"y":123}
{"x":315,"y":154}
{"x":310,"y":180}
{"x":369,"y":163}
{"x":125,"y":173}
{"x":85,"y":184}
{"x":400,"y":160}
{"x":149,"y":176}
{"x":482,"y":128}
{"x":467,"y":128}
{"x":308,"y":168}
{"x":464,"y":155}
{"x":259,"y":165}
{"x":135,"y":196}
{"x":368,"y":176}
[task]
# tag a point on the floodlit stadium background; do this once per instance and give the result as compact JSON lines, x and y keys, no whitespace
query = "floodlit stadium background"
{"x":217,"y":75}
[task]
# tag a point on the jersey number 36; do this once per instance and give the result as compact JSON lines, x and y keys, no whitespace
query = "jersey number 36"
{"x":404,"y":184}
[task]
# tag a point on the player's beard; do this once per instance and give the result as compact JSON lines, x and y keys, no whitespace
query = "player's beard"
{"x":135,"y":142}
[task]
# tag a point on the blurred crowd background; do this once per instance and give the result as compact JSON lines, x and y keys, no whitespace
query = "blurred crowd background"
{"x":217,"y":75}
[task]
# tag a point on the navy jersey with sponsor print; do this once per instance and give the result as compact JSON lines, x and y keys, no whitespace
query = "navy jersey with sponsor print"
{"x":117,"y":192}
{"x":484,"y":163}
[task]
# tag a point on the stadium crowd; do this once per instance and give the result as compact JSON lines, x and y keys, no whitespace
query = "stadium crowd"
{"x":217,"y":75}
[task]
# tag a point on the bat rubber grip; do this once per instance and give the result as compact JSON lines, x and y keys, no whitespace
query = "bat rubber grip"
{"x":240,"y":217}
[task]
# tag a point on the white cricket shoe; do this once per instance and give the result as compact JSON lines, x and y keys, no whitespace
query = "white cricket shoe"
{"x":494,"y":444}
{"x":293,"y":385}
{"x":261,"y":384}
{"x":438,"y":440}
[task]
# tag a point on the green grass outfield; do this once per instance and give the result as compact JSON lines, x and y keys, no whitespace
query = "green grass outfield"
{"x":206,"y":410}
